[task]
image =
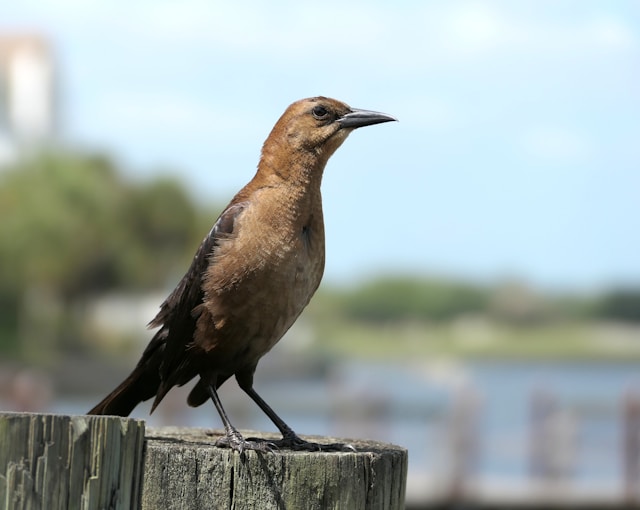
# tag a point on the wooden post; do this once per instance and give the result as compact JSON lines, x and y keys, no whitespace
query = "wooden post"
{"x":631,"y":446}
{"x":55,"y":462}
{"x":185,"y":471}
{"x":463,"y":429}
{"x":553,"y":442}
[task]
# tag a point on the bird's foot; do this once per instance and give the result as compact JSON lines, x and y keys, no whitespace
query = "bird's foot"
{"x":234,"y":440}
{"x":296,"y":443}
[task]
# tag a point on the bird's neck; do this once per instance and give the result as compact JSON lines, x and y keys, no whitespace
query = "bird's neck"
{"x":297,"y":170}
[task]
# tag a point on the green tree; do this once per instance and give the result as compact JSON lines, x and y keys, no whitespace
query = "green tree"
{"x":402,"y":298}
{"x":620,"y":304}
{"x":71,"y":227}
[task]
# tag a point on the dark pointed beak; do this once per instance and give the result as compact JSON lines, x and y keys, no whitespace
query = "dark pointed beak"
{"x":359,"y":118}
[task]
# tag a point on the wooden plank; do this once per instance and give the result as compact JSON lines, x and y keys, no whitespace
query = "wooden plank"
{"x":185,"y":471}
{"x":51,"y":462}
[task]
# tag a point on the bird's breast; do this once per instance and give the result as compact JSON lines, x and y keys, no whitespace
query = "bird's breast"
{"x":261,"y":279}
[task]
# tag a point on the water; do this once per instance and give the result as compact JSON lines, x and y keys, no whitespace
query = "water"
{"x":591,"y":396}
{"x":415,"y":404}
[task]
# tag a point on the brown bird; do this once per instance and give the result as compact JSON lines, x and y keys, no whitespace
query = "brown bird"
{"x":251,"y":277}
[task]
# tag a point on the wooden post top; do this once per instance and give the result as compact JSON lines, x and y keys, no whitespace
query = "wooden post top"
{"x":186,"y":461}
{"x":95,"y":462}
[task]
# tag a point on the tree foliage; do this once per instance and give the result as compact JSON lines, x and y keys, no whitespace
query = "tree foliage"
{"x":73,"y":224}
{"x":393,"y":299}
{"x":620,"y":304}
{"x":72,"y":227}
{"x":396,"y":299}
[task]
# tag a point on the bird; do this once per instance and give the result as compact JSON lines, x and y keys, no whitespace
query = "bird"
{"x":251,"y":277}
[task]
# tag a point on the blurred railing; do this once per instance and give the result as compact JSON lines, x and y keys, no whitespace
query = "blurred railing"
{"x":553,"y":452}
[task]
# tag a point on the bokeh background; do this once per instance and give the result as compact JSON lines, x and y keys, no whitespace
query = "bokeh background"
{"x":481,"y":302}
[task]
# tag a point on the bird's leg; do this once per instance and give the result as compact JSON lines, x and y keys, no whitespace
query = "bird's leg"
{"x":290,"y":440}
{"x":233,"y":438}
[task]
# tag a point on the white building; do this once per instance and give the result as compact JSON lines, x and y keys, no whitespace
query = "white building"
{"x":27,"y":95}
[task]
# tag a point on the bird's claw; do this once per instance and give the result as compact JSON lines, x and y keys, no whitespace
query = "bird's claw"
{"x":270,"y":446}
{"x":296,"y":443}
{"x":234,"y":440}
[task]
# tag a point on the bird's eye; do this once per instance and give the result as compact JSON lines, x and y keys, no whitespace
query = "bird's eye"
{"x":319,"y":112}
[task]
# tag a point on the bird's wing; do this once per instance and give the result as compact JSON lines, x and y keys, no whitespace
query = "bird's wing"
{"x":176,"y":319}
{"x":188,"y":293}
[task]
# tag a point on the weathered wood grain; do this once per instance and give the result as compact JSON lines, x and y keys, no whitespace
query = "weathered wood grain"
{"x":55,"y":462}
{"x":51,"y":462}
{"x":185,"y":471}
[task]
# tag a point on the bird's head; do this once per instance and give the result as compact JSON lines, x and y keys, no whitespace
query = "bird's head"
{"x":317,"y":126}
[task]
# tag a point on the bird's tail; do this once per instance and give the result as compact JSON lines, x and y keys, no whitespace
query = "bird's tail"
{"x":141,"y":385}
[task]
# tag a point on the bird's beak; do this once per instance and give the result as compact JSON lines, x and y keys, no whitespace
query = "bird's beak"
{"x":358,"y":118}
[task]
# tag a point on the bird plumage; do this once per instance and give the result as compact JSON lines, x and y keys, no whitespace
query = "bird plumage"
{"x":254,"y":272}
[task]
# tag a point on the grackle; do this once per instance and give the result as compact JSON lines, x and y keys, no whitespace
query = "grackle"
{"x":250,"y":278}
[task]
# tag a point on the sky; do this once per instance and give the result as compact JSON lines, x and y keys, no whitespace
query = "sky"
{"x":516,"y":154}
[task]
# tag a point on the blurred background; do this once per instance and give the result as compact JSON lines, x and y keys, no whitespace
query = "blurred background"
{"x":481,"y":302}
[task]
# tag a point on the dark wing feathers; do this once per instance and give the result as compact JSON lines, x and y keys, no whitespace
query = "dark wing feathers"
{"x":176,"y":319}
{"x":188,"y":293}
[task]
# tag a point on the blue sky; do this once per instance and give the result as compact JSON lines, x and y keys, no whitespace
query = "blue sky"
{"x":518,"y":147}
